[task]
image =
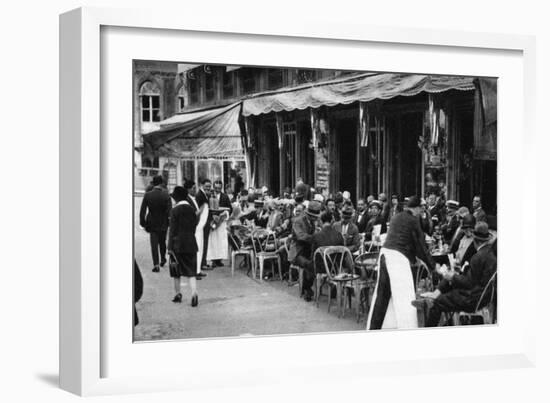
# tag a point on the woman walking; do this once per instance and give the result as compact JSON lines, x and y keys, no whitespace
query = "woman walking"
{"x":182,"y":244}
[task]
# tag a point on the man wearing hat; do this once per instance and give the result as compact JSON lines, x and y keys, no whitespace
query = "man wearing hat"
{"x":462,"y":291}
{"x":375,"y":219}
{"x":395,"y":207}
{"x":452,"y":221}
{"x":391,"y":303}
{"x":259,"y":215}
{"x":463,"y":246}
{"x":349,"y":230}
{"x":153,"y":217}
{"x":303,"y":228}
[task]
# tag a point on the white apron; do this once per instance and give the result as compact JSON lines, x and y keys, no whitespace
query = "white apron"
{"x":218,"y":247}
{"x":401,"y":314}
{"x":199,"y":236}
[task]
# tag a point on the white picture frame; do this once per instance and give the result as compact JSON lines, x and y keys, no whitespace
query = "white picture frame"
{"x":97,"y":358}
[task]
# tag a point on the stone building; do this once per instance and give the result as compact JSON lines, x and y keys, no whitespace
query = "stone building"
{"x":337,"y":130}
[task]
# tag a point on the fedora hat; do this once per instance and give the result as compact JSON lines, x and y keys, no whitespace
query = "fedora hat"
{"x":414,"y":201}
{"x":376,"y":203}
{"x":468,"y":221}
{"x":347,"y":211}
{"x":452,"y":204}
{"x":481,"y":231}
{"x":313,"y":208}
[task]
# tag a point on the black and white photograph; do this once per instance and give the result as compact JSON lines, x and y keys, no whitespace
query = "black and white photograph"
{"x":277,"y":200}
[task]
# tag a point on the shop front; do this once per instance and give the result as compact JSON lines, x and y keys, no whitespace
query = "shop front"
{"x":372,"y":133}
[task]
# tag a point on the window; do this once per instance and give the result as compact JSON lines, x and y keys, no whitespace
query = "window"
{"x":209,"y":85}
{"x":193,"y":89}
{"x":248,"y":81}
{"x":274,"y":78}
{"x":149,"y":95}
{"x":305,"y":76}
{"x":228,"y":88}
{"x":181,"y":99}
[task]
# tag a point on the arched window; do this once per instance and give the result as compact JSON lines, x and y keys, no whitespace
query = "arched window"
{"x":149,"y":98}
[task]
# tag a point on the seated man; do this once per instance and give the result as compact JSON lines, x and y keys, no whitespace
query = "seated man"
{"x":331,"y":207}
{"x":275,"y":218}
{"x":361,"y":216}
{"x":259,"y":215}
{"x":376,"y":219}
{"x":328,"y":236}
{"x":461,"y":292}
{"x":349,"y":231}
{"x":425,"y":218}
{"x":303,"y":228}
{"x":463,"y":247}
{"x":452,"y":221}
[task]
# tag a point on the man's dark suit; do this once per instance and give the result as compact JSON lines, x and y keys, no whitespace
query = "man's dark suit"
{"x":362,"y":221}
{"x":153,"y":216}
{"x":470,"y":251}
{"x":302,"y":237}
{"x":379,"y":220}
{"x":463,"y":291}
{"x":225,"y":202}
{"x":328,"y":236}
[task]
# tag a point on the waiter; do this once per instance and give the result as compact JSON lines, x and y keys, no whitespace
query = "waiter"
{"x":391,"y":307}
{"x":218,"y":246}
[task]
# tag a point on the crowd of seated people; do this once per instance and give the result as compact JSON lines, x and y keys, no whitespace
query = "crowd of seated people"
{"x":305,"y":218}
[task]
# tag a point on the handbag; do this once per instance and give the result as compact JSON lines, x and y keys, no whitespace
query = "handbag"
{"x":173,"y":265}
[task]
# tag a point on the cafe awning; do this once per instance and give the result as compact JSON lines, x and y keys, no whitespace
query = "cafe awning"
{"x":213,"y":133}
{"x":363,"y":87}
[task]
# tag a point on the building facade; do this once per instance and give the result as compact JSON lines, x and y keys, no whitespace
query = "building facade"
{"x":341,"y":130}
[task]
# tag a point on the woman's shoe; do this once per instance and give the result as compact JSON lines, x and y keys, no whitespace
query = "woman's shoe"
{"x":195,"y":300}
{"x":177,"y":298}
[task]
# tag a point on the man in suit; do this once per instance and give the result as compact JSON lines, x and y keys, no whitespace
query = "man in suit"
{"x":153,"y":216}
{"x":375,"y":219}
{"x":462,"y":291}
{"x":479,"y":213}
{"x":362,"y":216}
{"x":259,"y":215}
{"x":303,"y":228}
{"x":463,"y":246}
{"x":452,"y":221}
{"x":352,"y":239}
{"x":328,"y":236}
{"x":391,"y":302}
{"x":331,"y":207}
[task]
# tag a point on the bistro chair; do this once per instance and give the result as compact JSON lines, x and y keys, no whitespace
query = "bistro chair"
{"x":361,"y":290}
{"x":333,"y":258}
{"x":265,"y":249}
{"x":485,"y":307}
{"x":238,"y":248}
{"x":294,"y":268}
{"x":423,"y":277}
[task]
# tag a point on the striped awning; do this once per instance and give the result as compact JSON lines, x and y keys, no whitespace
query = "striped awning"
{"x":361,"y":87}
{"x":213,"y":133}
